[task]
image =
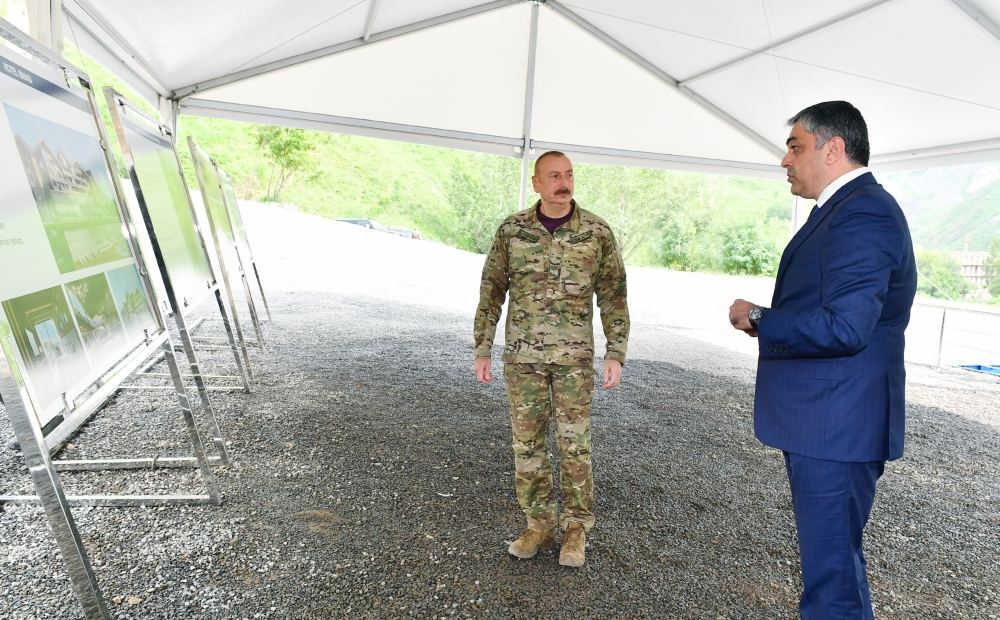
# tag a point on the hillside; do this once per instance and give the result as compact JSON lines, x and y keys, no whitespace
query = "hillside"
{"x":944,"y":205}
{"x":684,"y":220}
{"x":976,"y":218}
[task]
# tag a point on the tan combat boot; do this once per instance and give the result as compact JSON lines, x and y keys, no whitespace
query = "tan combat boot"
{"x":573,"y":545}
{"x":529,"y":542}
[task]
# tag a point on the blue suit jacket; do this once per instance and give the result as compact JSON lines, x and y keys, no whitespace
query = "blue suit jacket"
{"x":830,"y":377}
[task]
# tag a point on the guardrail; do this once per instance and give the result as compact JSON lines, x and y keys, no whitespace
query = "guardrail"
{"x":951,"y":334}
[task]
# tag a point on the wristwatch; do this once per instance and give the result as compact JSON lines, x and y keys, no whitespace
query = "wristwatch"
{"x":754,"y":316}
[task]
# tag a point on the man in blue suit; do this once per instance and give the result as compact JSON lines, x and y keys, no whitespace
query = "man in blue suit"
{"x":830,"y":374}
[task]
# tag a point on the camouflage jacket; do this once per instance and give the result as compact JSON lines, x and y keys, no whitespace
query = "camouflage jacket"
{"x":552,"y":280}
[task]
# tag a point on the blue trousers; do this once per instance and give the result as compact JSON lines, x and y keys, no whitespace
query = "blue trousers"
{"x":832,"y":501}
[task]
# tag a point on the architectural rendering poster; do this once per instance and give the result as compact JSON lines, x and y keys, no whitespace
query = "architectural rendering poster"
{"x":72,"y":191}
{"x":165,"y":195}
{"x":68,"y":290}
{"x":48,"y":341}
{"x":130,"y":301}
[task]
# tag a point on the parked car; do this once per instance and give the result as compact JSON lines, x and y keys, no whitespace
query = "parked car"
{"x":406,"y":233}
{"x":370,"y":224}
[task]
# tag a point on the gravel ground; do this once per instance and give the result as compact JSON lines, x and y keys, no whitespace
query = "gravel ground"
{"x":373,"y":478}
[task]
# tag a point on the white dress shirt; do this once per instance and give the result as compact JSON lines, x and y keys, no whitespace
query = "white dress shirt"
{"x":839,"y":182}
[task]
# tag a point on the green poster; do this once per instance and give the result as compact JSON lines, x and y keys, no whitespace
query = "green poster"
{"x":72,"y":190}
{"x":239,"y":230}
{"x":97,"y":317}
{"x":214,"y":201}
{"x":130,"y":300}
{"x":215,"y":207}
{"x":166,"y":199}
{"x":47,"y":338}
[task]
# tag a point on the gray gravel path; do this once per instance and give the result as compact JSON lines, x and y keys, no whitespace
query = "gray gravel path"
{"x":374,"y":479}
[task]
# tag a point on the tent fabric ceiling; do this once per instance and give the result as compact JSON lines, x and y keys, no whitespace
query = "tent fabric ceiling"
{"x":415,"y":80}
{"x":660,"y":82}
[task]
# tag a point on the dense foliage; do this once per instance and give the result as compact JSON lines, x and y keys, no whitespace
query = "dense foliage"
{"x":675,"y":219}
{"x":939,"y":275}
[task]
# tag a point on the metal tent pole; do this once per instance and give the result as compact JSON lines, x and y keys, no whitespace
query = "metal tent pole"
{"x":529,"y":101}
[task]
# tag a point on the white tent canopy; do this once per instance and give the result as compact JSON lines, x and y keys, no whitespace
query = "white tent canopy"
{"x":670,"y":83}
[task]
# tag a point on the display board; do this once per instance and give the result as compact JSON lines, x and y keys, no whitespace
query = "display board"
{"x":242,"y":240}
{"x":72,"y":304}
{"x":167,"y":203}
{"x":170,"y":229}
{"x":216,"y":209}
{"x":236,"y":220}
{"x":231,"y":267}
{"x":76,"y":312}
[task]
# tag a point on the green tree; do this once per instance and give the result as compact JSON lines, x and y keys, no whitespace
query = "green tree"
{"x":939,"y":275}
{"x":678,"y":236}
{"x":288,"y":150}
{"x":631,"y":200}
{"x":746,"y":251}
{"x":480,"y":197}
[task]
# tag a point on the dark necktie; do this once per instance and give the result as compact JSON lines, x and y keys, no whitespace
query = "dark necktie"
{"x":801,"y":231}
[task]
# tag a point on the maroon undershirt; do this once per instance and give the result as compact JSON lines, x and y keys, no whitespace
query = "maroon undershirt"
{"x":551,"y":224}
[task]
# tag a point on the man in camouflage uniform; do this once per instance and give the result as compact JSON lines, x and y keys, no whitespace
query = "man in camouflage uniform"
{"x":552,"y":259}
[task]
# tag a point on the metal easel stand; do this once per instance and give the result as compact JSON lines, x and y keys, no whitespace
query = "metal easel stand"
{"x":167,"y":352}
{"x":193,"y":342}
{"x":146,"y":371}
{"x":51,"y":497}
{"x":235,"y":315}
{"x":186,"y":343}
{"x":245,"y":256}
{"x":253,"y":310}
{"x":204,"y":342}
{"x":199,"y":460}
{"x":260,"y":287}
{"x":235,"y":338}
{"x":203,"y":388}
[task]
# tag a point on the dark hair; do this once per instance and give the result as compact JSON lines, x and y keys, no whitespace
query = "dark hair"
{"x":837,"y":118}
{"x":545,"y":155}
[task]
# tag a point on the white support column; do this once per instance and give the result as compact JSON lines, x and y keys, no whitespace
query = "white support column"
{"x":17,"y":14}
{"x":370,"y":20}
{"x":529,"y":100}
{"x":168,"y":113}
{"x":42,"y":19}
{"x":796,"y":217}
{"x":525,"y":175}
{"x":56,"y":27}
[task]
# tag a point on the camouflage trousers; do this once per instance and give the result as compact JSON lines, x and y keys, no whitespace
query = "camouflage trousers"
{"x":535,"y":392}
